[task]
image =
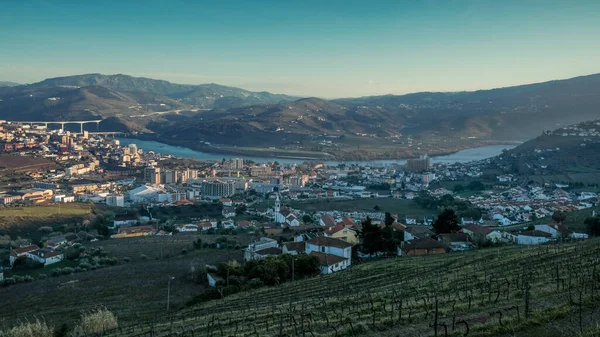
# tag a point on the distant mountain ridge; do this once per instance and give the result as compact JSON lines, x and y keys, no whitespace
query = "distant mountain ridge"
{"x":8,"y":84}
{"x":421,"y":122}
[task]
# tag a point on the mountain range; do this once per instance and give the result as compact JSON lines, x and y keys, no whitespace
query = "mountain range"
{"x":443,"y":121}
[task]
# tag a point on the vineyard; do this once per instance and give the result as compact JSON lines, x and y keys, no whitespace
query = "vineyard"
{"x":511,"y":291}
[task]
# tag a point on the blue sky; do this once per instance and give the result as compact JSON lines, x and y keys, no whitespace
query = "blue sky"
{"x":318,"y":48}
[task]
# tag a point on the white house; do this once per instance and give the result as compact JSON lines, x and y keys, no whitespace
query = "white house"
{"x":329,"y":251}
{"x":294,"y":248}
{"x":533,"y":237}
{"x":228,"y":212}
{"x":124,"y":221}
{"x":411,"y":220}
{"x":254,"y":247}
{"x":188,"y":228}
{"x":46,"y":256}
{"x":21,"y":251}
{"x":559,"y":230}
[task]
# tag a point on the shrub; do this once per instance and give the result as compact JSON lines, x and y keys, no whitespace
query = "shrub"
{"x":67,"y":271}
{"x":126,"y":259}
{"x":45,"y":229}
{"x":96,"y":322}
{"x":9,"y":280}
{"x":30,"y":329}
{"x":183,"y":251}
{"x":55,"y":272}
{"x":143,"y":257}
{"x":42,"y":276}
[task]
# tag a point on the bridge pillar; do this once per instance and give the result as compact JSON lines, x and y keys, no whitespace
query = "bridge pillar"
{"x":81,"y":128}
{"x":97,"y":125}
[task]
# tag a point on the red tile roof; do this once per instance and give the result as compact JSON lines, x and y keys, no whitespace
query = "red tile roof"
{"x":24,"y":250}
{"x":328,"y":220}
{"x":327,"y":259}
{"x":330,"y":242}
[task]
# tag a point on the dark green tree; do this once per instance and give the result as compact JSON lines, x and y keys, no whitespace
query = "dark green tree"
{"x":559,"y":216}
{"x":593,"y":225}
{"x":370,"y":235}
{"x":446,"y":222}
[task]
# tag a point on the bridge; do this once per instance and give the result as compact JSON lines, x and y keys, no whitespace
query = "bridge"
{"x":62,"y":123}
{"x":111,"y":133}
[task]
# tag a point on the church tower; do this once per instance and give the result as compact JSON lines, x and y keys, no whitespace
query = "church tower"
{"x":277,"y":207}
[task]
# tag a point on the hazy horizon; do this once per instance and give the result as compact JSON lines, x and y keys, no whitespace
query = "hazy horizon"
{"x":337,"y":49}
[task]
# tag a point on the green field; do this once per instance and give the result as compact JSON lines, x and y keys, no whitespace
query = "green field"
{"x":401,"y":207}
{"x":24,"y":221}
{"x":508,"y":291}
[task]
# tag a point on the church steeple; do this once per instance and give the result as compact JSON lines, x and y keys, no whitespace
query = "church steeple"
{"x":277,"y":203}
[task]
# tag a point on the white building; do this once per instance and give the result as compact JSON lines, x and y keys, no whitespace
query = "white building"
{"x":533,"y":237}
{"x":250,"y":253}
{"x":117,"y":200}
{"x":46,"y":256}
{"x":334,"y":254}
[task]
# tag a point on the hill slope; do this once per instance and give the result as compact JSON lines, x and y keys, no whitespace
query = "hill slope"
{"x":511,"y":113}
{"x":573,"y":149}
{"x":405,"y":296}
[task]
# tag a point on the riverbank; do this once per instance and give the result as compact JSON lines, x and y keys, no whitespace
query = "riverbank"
{"x":184,"y":152}
{"x":371,"y":152}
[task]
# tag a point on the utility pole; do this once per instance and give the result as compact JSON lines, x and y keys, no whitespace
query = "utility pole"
{"x":169,"y":293}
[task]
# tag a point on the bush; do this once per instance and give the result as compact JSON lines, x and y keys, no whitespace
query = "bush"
{"x":126,"y":259}
{"x":55,"y":272}
{"x":9,"y":281}
{"x":96,"y":322}
{"x":30,"y":329}
{"x":143,"y":257}
{"x":183,"y":251}
{"x":45,"y":229}
{"x":67,"y":271}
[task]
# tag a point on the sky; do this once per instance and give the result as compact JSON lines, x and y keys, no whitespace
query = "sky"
{"x":311,"y":48}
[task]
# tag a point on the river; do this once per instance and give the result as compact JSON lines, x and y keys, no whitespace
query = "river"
{"x":463,"y":156}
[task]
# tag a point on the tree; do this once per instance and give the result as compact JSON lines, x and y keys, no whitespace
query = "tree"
{"x":446,"y":222}
{"x":370,"y":236}
{"x":458,"y":188}
{"x":476,"y":186}
{"x":376,"y":208}
{"x":593,"y":225}
{"x":240,"y":209}
{"x":307,"y":218}
{"x":559,"y":216}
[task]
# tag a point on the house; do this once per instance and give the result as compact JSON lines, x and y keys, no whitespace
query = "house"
{"x":478,"y":232}
{"x":46,"y":256}
{"x":124,"y":221}
{"x":226,"y":202}
{"x":456,"y":242}
{"x":416,"y":232}
{"x":213,"y":279}
{"x":187,"y":228}
{"x":533,"y":237}
{"x":267,"y":252}
{"x":410,"y":220}
{"x":294,"y":248}
{"x":292,"y":220}
{"x":346,"y":222}
{"x":21,"y":251}
{"x":327,"y":221}
{"x":560,"y":231}
{"x":466,"y":221}
{"x":55,"y":243}
{"x":254,"y":247}
{"x":419,"y":247}
{"x":329,"y":263}
{"x":341,"y":232}
{"x":228,"y":212}
{"x":127,"y":232}
{"x":244,"y":224}
{"x":204,"y":226}
{"x":331,"y":246}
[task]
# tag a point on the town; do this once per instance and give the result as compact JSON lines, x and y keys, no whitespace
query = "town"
{"x":287,"y":221}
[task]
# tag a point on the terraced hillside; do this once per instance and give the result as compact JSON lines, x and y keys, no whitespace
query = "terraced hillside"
{"x":511,"y":291}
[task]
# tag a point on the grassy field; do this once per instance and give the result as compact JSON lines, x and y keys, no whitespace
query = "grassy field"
{"x":401,"y":207}
{"x":24,"y":221}
{"x":135,"y":291}
{"x":508,"y":291}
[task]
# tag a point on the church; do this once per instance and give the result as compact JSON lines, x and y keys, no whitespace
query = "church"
{"x":283,"y":215}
